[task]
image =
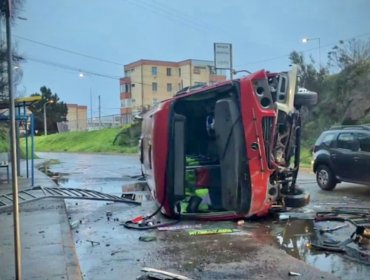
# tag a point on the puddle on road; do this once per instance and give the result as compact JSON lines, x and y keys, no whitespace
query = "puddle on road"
{"x":57,"y":177}
{"x":298,"y":239}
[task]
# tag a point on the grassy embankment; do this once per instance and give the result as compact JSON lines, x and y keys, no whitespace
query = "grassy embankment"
{"x":306,"y":157}
{"x":3,"y":139}
{"x":98,"y":141}
{"x":101,"y":141}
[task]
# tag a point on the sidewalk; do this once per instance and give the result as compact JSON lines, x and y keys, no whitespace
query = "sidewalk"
{"x":48,"y":250}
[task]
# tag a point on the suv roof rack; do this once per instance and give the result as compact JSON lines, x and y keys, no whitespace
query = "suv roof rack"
{"x":356,"y":126}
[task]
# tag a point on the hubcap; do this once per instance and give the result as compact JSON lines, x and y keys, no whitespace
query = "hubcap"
{"x":323,"y":177}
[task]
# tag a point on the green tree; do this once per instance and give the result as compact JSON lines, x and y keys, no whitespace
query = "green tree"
{"x":313,"y":80}
{"x":310,"y":78}
{"x":344,"y":96}
{"x":15,"y":4}
{"x":56,"y":110}
{"x":349,"y":53}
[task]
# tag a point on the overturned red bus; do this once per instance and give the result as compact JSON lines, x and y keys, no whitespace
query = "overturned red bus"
{"x":227,"y":151}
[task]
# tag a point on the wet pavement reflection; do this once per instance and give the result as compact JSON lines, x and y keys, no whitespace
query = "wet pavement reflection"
{"x":297,"y":237}
{"x":95,"y":223}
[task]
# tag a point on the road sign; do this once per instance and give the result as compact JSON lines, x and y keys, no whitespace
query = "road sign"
{"x":223,"y":55}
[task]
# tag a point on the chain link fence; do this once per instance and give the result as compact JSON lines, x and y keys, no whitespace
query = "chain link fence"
{"x":95,"y":123}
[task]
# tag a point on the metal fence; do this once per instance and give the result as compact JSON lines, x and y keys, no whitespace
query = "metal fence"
{"x":89,"y":124}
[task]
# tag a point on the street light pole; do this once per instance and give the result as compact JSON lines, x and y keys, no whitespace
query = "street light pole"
{"x":306,"y":40}
{"x":45,"y":122}
{"x":14,"y":155}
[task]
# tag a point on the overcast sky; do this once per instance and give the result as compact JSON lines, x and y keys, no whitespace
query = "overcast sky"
{"x":262,"y":33}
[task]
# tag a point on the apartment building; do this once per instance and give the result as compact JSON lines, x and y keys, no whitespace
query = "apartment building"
{"x":147,"y":82}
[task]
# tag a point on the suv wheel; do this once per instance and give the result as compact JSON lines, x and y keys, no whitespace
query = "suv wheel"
{"x":325,"y":178}
{"x":297,"y":199}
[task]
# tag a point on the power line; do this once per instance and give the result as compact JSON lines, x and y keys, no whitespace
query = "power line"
{"x":68,"y":51}
{"x":304,"y":51}
{"x":71,"y":68}
{"x":75,"y":69}
{"x":79,"y":70}
{"x":170,"y":16}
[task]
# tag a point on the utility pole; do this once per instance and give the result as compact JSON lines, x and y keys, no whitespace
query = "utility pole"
{"x":142,"y":88}
{"x":231,"y":63}
{"x":13,"y":142}
{"x":45,"y":121}
{"x":91,"y":112}
{"x":99,"y":113}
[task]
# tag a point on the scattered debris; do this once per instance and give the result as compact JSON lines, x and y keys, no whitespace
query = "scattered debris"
{"x":284,"y":216}
{"x":108,"y":215}
{"x":118,"y":251}
{"x":75,"y":224}
{"x":179,"y":227}
{"x":353,"y":246}
{"x":240,"y":222}
{"x":296,"y":215}
{"x":38,"y":192}
{"x":137,"y":219}
{"x":164,"y":273}
{"x":147,"y":222}
{"x":93,"y":243}
{"x":322,"y":230}
{"x":292,"y":273}
{"x":212,"y":231}
{"x":147,"y":238}
{"x":136,"y":192}
{"x":137,"y":196}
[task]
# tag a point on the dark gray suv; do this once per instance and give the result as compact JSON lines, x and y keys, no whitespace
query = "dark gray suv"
{"x":342,"y":154}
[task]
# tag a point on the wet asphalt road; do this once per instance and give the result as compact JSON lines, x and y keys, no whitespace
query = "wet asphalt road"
{"x":109,"y":251}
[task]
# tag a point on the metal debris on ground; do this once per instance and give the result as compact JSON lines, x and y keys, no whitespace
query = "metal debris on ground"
{"x":93,"y":243}
{"x":137,"y":219}
{"x":292,"y":273}
{"x":296,"y":215}
{"x":137,"y":196}
{"x":179,"y":227}
{"x":212,"y":231}
{"x":147,"y":238}
{"x":38,"y":192}
{"x":353,"y":246}
{"x":118,"y":251}
{"x":322,"y":230}
{"x":168,"y":275}
{"x":137,"y":191}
